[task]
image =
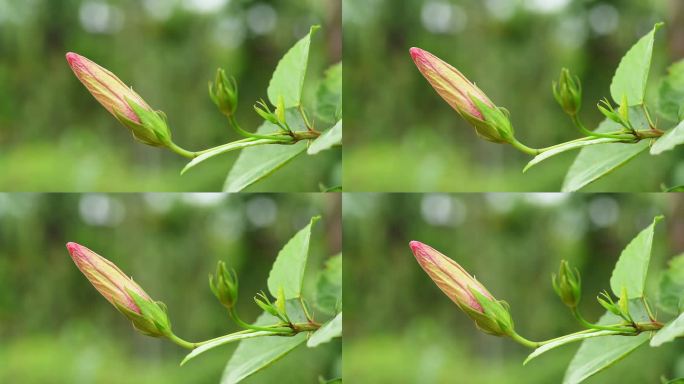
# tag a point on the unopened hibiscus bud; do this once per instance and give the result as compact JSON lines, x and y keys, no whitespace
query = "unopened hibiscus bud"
{"x":146,"y":125}
{"x":148,"y":316}
{"x":490,"y":315}
{"x":224,"y":93}
{"x":224,"y":285}
{"x":568,"y":92}
{"x":567,"y":284}
{"x":490,"y":121}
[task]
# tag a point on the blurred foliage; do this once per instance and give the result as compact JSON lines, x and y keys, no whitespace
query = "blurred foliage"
{"x":55,"y":137}
{"x":400,"y":328}
{"x":55,"y":328}
{"x":403,"y":137}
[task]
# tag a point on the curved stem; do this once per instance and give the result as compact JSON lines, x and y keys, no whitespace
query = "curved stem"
{"x":578,"y":123}
{"x":587,"y":324}
{"x":183,"y":343}
{"x":183,"y":152}
{"x":523,"y":148}
{"x":523,"y":341}
{"x":233,"y":123}
{"x":239,"y":322}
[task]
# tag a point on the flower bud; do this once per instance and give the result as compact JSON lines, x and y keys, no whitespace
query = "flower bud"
{"x":146,"y":125}
{"x":490,"y":122}
{"x":568,"y":92}
{"x":147,"y":316}
{"x":224,"y":93}
{"x":224,"y":285}
{"x":490,"y":315}
{"x":567,"y":284}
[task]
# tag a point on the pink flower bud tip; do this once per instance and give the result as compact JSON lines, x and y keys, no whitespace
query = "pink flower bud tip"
{"x":449,"y":276}
{"x":106,"y":87}
{"x":106,"y":277}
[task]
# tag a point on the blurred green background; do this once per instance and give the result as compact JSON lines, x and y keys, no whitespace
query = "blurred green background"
{"x":400,"y":328}
{"x":403,"y":137}
{"x":56,"y":328}
{"x":55,"y":137}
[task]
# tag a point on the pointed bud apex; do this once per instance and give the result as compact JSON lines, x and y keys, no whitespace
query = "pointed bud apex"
{"x":568,"y":92}
{"x":224,"y":285}
{"x":490,"y":315}
{"x":567,"y":284}
{"x":463,"y":96}
{"x":224,"y":93}
{"x":146,"y":125}
{"x":148,"y":316}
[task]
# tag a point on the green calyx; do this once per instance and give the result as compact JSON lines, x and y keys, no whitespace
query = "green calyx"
{"x":224,"y":93}
{"x":495,"y":318}
{"x":152,"y":320}
{"x":152,"y":128}
{"x":567,"y":284}
{"x":224,"y":285}
{"x":495,"y":125}
{"x":568,"y":92}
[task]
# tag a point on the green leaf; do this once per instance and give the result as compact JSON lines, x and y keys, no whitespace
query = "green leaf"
{"x":669,"y":332}
{"x":630,"y":270}
{"x":329,"y":95}
{"x":632,"y":73}
{"x":255,"y":164}
{"x":327,"y":139}
{"x":669,"y":140}
{"x":326,"y":332}
{"x":288,"y":269}
{"x":671,"y":92}
{"x":671,"y":288}
{"x":567,"y":339}
{"x":288,"y":77}
{"x":597,"y":354}
{"x":241,"y":144}
{"x":223,"y":341}
{"x":254,"y":355}
{"x":564,"y":148}
{"x":593,"y":163}
{"x":678,"y":188}
{"x":329,"y":286}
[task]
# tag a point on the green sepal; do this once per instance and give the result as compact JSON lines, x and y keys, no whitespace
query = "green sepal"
{"x":496,"y":319}
{"x":607,"y":302}
{"x":152,"y":129}
{"x":280,"y":110}
{"x":264,"y":111}
{"x":153,"y":319}
{"x":494,"y":119}
{"x":264,"y":303}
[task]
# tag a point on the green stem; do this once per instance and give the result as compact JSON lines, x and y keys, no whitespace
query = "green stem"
{"x":239,"y":130}
{"x":523,"y":341}
{"x":185,"y":153}
{"x":523,"y":148}
{"x":183,"y":343}
{"x":578,"y":123}
{"x":239,"y":322}
{"x":587,"y":324}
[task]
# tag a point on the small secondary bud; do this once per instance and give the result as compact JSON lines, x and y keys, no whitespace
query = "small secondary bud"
{"x":567,"y":284}
{"x":490,"y":315}
{"x":568,"y":92}
{"x":490,"y":122}
{"x":146,"y":125}
{"x":224,"y":93}
{"x":147,"y":315}
{"x":224,"y":285}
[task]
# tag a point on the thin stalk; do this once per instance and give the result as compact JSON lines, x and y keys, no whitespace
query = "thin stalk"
{"x":239,"y":130}
{"x":578,"y":123}
{"x":587,"y":324}
{"x":523,"y":341}
{"x":183,"y":343}
{"x":239,"y":322}
{"x":183,"y":152}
